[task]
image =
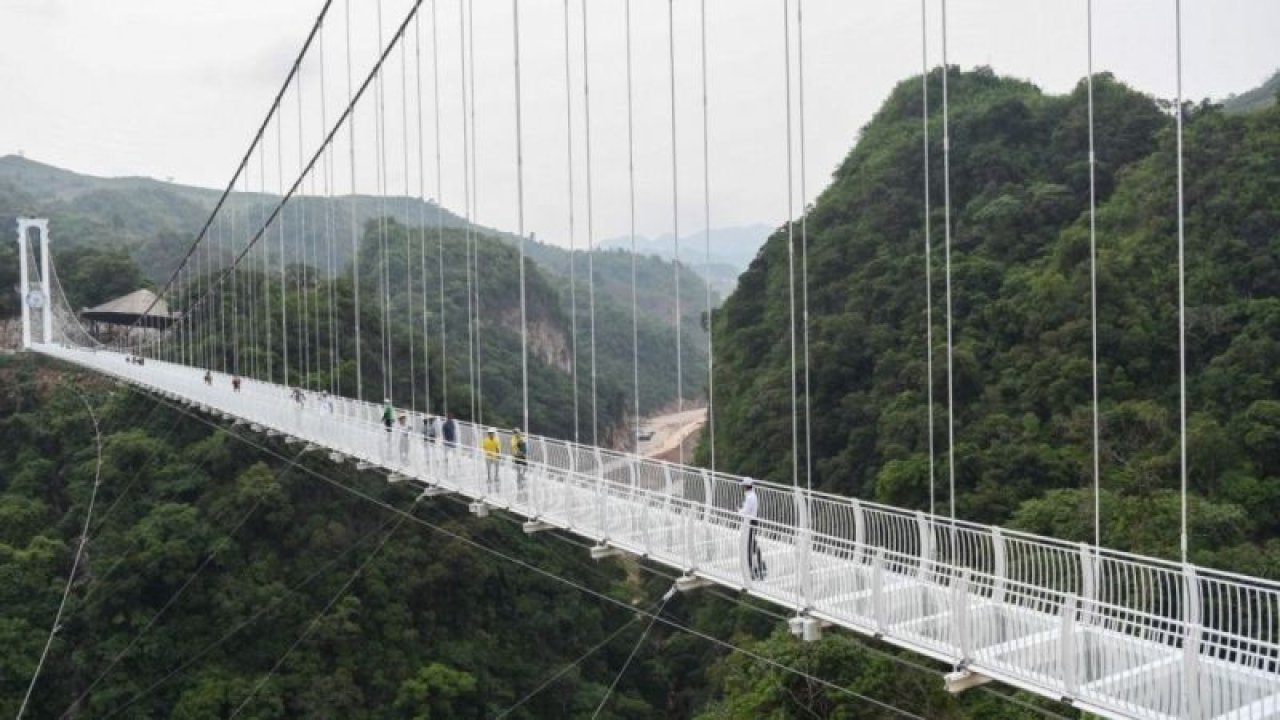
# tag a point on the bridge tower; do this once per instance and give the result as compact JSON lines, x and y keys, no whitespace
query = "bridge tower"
{"x":35,"y":296}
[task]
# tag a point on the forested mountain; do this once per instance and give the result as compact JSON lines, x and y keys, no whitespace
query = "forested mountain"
{"x":156,"y":221}
{"x":655,"y":302}
{"x":431,"y":625}
{"x":220,"y":563}
{"x":435,"y":626}
{"x":1020,"y":278}
{"x":732,"y":250}
{"x":1265,"y":95}
{"x":96,"y":221}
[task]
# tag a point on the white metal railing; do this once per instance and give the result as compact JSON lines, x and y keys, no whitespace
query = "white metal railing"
{"x":1117,"y":634}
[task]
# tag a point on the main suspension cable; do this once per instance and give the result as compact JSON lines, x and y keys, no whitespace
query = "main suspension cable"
{"x":274,"y":216}
{"x":244,"y":161}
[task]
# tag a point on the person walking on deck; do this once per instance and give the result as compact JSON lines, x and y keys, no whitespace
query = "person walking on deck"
{"x":403,"y":422}
{"x":388,"y":415}
{"x":449,"y":435}
{"x":492,"y":454}
{"x":519,"y":457}
{"x":750,"y":512}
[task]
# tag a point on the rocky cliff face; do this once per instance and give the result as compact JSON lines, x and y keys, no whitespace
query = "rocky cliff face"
{"x":547,"y":341}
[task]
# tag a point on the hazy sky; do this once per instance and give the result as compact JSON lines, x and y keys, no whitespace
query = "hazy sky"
{"x":175,"y":89}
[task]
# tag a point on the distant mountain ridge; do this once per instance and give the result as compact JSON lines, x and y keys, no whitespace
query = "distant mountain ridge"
{"x":155,"y":221}
{"x":1265,"y":95}
{"x":732,"y":250}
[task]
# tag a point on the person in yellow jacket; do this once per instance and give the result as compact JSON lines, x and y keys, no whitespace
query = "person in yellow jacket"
{"x":492,"y":454}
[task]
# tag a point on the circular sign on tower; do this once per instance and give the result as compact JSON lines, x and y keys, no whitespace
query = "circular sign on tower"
{"x":35,"y":299}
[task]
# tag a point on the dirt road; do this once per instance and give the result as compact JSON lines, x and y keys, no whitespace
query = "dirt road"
{"x":670,"y":431}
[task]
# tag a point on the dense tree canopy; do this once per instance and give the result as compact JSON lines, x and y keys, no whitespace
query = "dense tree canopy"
{"x":1020,"y":280}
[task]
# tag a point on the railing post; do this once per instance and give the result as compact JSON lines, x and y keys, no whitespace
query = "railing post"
{"x":1067,"y":646}
{"x":960,"y":614}
{"x":859,"y":531}
{"x":570,"y":479}
{"x":602,"y":513}
{"x":1191,"y":672}
{"x":877,"y":591}
{"x":804,"y":546}
{"x":925,"y":530}
{"x":708,"y":506}
{"x":1000,"y":562}
{"x":1191,"y":632}
{"x":644,"y":504}
{"x":665,"y":513}
{"x":535,"y":471}
{"x":1088,"y":580}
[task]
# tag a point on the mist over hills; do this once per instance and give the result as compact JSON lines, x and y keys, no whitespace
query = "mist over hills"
{"x":153,"y":222}
{"x":732,"y":250}
{"x":1263,"y":96}
{"x":433,"y":626}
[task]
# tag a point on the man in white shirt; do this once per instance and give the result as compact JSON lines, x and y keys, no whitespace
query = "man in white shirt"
{"x":750,"y":512}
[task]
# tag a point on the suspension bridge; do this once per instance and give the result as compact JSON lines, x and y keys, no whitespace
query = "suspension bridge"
{"x":1112,"y":633}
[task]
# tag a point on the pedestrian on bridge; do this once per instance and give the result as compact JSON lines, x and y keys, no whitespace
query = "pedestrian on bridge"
{"x":492,"y":454}
{"x":449,"y":434}
{"x":388,"y":415}
{"x":208,"y":377}
{"x":403,"y":421}
{"x":750,"y":512}
{"x":235,"y":383}
{"x":519,"y":456}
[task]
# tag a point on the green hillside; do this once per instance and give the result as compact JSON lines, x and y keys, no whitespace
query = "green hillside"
{"x":154,"y":223}
{"x":1265,"y":95}
{"x":1021,"y":308}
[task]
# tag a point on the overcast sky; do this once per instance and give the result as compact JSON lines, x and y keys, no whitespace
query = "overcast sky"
{"x":176,"y":89}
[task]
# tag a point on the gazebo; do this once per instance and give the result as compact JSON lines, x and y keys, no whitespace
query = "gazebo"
{"x":140,"y":307}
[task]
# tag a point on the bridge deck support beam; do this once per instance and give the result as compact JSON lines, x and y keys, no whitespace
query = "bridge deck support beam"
{"x":689,"y":583}
{"x":806,"y":628}
{"x":536,"y":526}
{"x":602,"y":551}
{"x":961,"y":680}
